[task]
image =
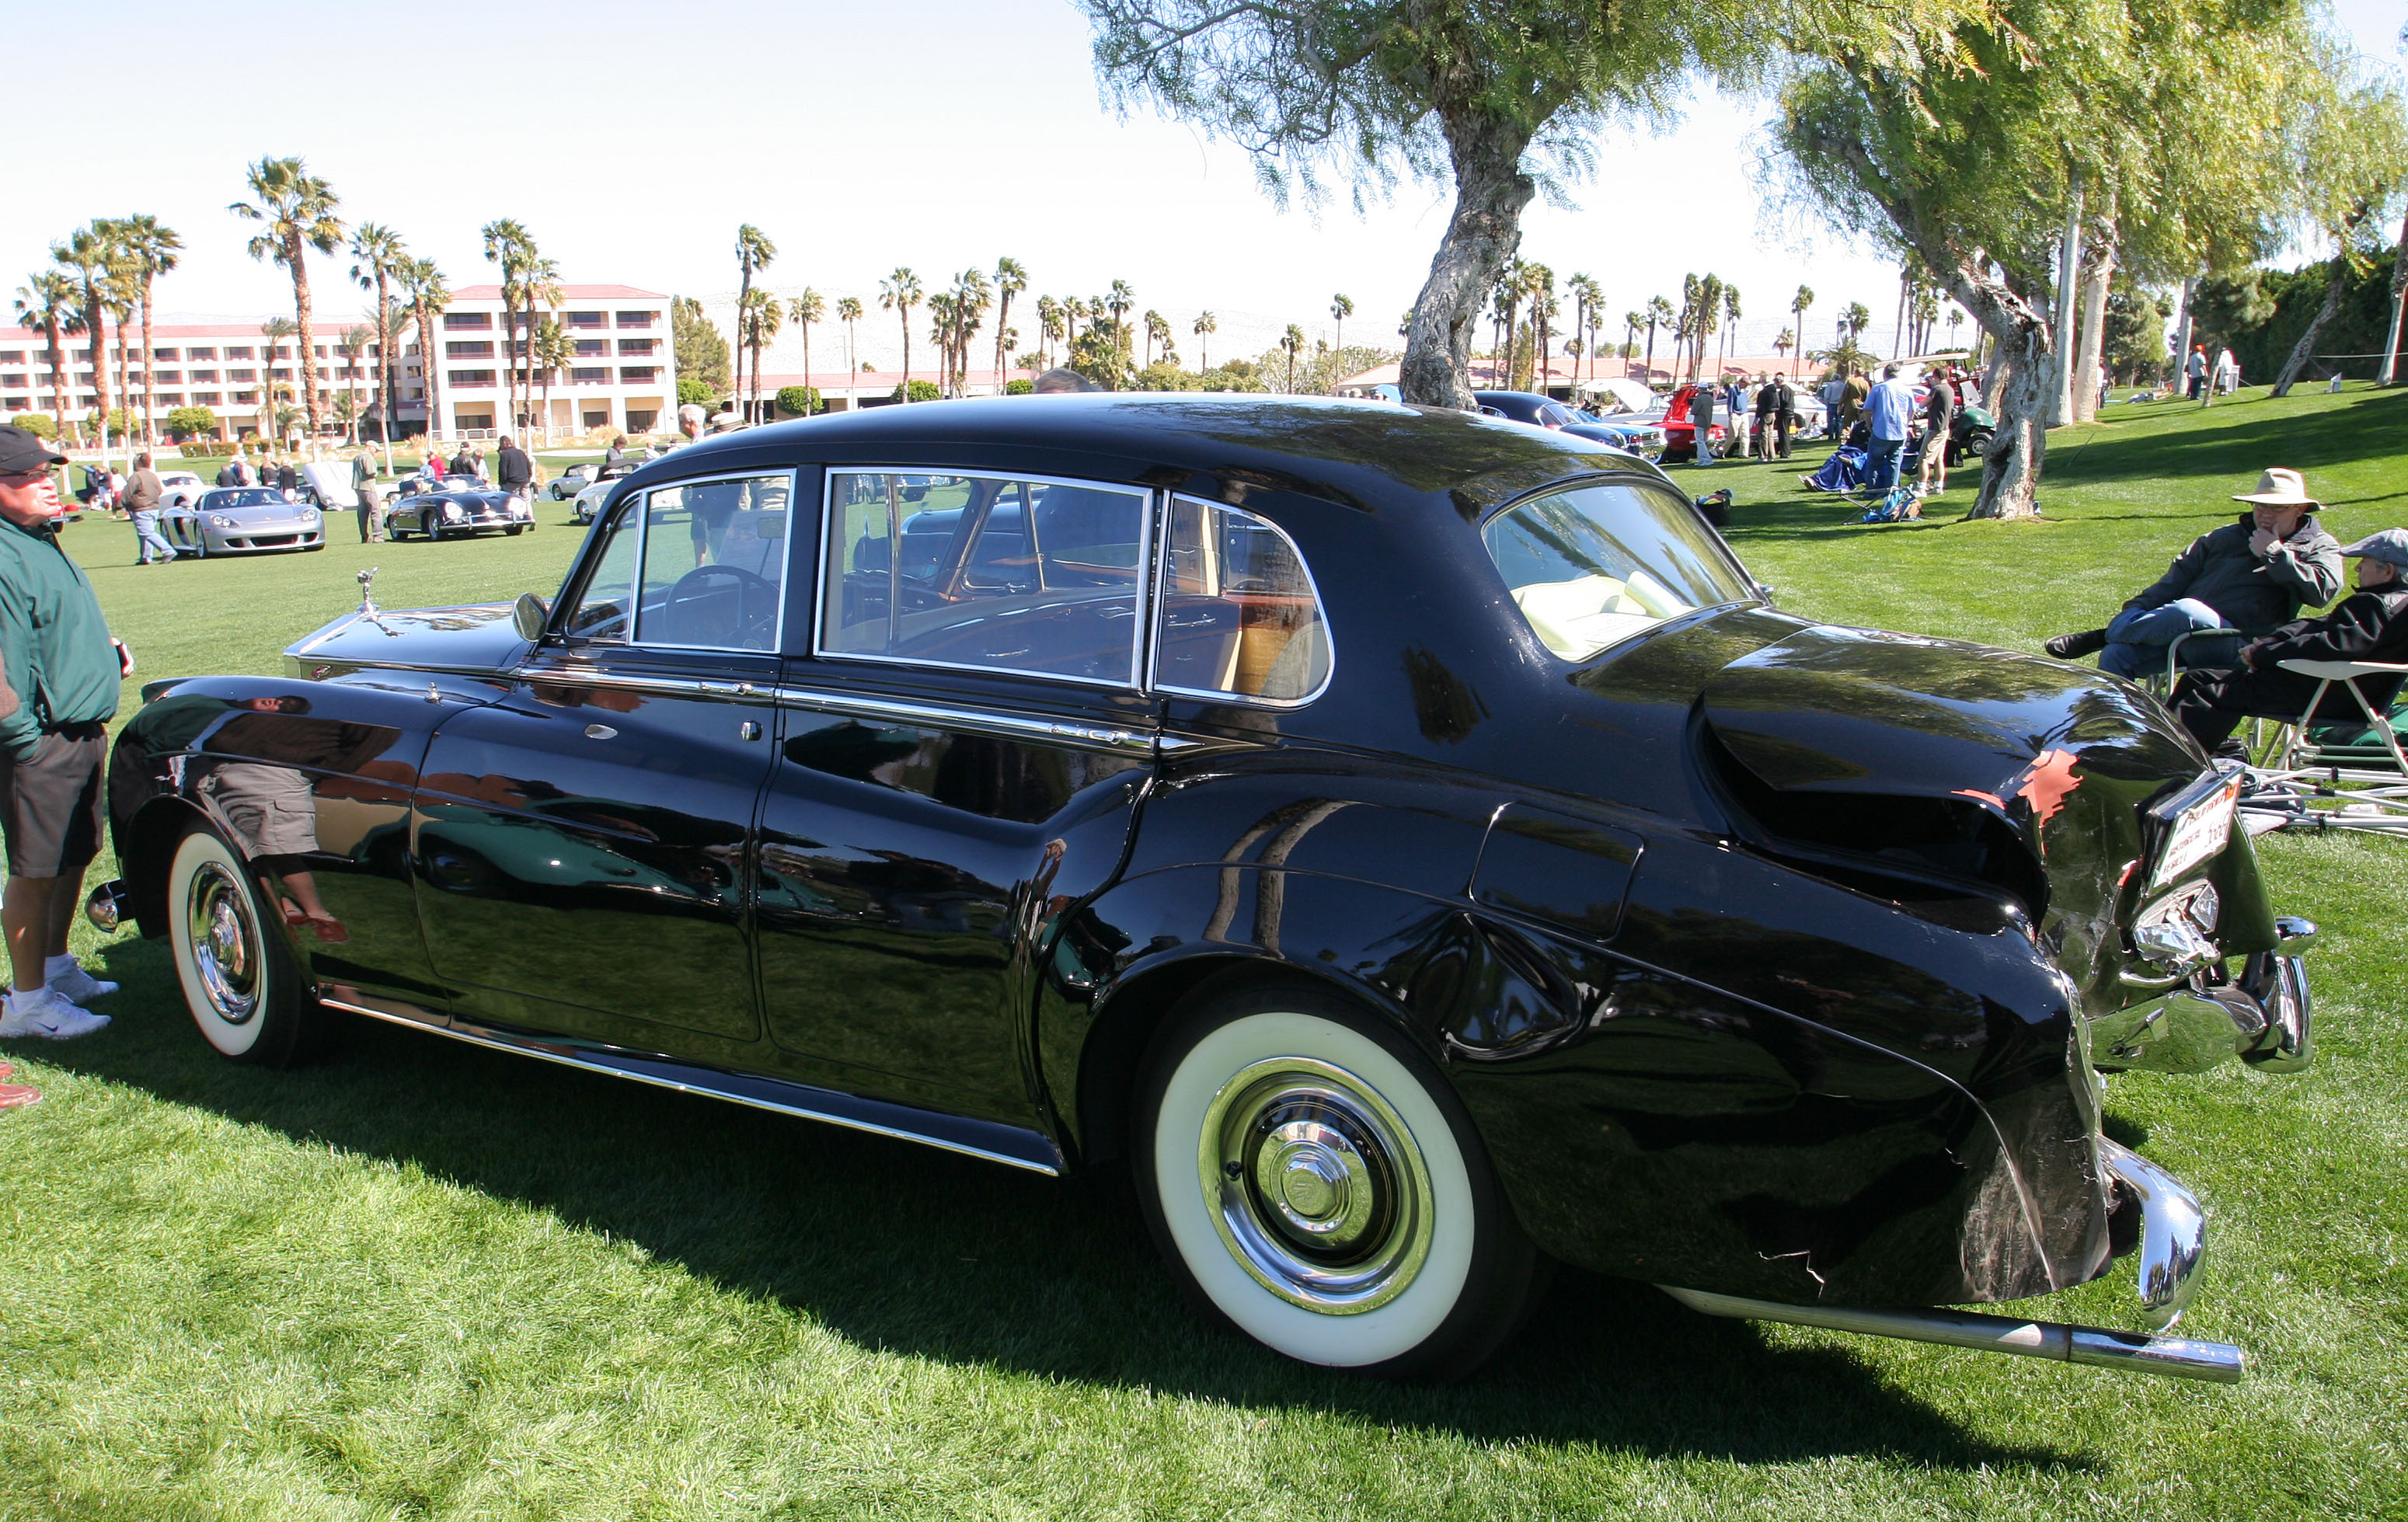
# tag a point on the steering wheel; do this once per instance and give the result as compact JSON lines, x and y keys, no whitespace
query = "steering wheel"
{"x":756,"y":616}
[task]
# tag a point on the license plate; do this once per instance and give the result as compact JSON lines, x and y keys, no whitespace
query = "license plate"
{"x":2196,"y":826}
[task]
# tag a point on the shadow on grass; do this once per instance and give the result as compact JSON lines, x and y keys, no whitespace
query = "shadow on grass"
{"x":905,"y":1249}
{"x":2272,"y":438}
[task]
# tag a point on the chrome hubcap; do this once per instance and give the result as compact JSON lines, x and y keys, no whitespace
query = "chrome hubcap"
{"x":226,"y":943}
{"x":1316,"y":1184}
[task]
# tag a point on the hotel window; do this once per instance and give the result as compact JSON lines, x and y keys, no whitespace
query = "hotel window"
{"x":638,"y":375}
{"x":465,"y":322}
{"x":204,"y":378}
{"x":241,"y":353}
{"x":171,"y":398}
{"x":13,"y":382}
{"x":635,"y":346}
{"x":470,"y":378}
{"x":590,"y":375}
{"x":238,"y":376}
{"x":469,"y":351}
{"x":13,"y":356}
{"x":168,"y":355}
{"x":637,"y":318}
{"x":168,"y":378}
{"x":196,"y":355}
{"x":279,"y":373}
{"x":322,"y":351}
{"x":581,"y":320}
{"x":246,"y":398}
{"x":204,"y":398}
{"x":81,"y":357}
{"x":587,"y":347}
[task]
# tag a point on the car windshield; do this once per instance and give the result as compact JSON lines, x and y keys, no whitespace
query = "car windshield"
{"x":249,"y":496}
{"x":1594,"y":564}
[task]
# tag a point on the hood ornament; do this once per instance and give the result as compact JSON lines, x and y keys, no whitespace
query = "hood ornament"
{"x":367,"y":603}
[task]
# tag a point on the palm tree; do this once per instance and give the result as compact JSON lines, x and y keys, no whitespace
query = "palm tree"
{"x":550,"y":352}
{"x":1341,"y":307}
{"x":47,"y":300}
{"x":1510,"y":287}
{"x":1631,"y":322}
{"x":847,"y":310}
{"x":1292,"y":341}
{"x":91,"y":253}
{"x":756,"y":322}
{"x":428,"y":295}
{"x":754,"y":251}
{"x":298,"y":211}
{"x":378,"y":253}
{"x":1853,"y":320}
{"x":1539,"y":286}
{"x":1797,"y":305}
{"x":1206,"y":325}
{"x":1786,"y":342}
{"x":1157,"y":331}
{"x":150,"y":248}
{"x":352,"y":345}
{"x":972,"y":297}
{"x":274,"y":330}
{"x":543,"y":287}
{"x":1049,"y":327}
{"x":1009,"y":280}
{"x":1955,"y":320}
{"x":899,"y":293}
{"x":1730,"y":320}
{"x":1596,"y":324}
{"x":804,"y":310}
{"x":1581,"y":289}
{"x":1659,"y":314}
{"x":121,"y":294}
{"x":943,"y":323}
{"x":508,"y":244}
{"x":1119,"y":301}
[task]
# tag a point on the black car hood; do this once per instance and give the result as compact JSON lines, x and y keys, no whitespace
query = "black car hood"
{"x":475,"y":638}
{"x":1859,"y":710}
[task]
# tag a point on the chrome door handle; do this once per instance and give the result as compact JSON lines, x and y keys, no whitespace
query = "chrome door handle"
{"x":600,"y":731}
{"x":749,"y":731}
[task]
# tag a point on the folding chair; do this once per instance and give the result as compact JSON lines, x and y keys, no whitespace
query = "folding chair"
{"x":2317,"y":775}
{"x":2162,"y":684}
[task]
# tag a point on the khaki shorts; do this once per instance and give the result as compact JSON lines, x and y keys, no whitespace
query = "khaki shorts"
{"x":50,"y":806}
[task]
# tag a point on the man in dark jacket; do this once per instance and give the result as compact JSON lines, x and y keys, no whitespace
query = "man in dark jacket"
{"x":514,"y":473}
{"x":2370,"y":626}
{"x":64,"y":670}
{"x":229,"y":474}
{"x":1701,"y":418}
{"x":2252,"y":574}
{"x":1774,"y":403}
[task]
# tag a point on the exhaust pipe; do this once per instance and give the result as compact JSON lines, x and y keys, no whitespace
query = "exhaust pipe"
{"x":2179,"y":1358}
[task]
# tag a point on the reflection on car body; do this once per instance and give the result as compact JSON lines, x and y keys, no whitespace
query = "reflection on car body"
{"x":1410,"y":842}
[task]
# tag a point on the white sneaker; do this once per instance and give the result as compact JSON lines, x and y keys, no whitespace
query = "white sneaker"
{"x":46,"y":1011}
{"x":75,"y":985}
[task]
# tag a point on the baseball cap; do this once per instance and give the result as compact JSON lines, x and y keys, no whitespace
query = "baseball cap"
{"x":21,"y":450}
{"x":2390,"y":544}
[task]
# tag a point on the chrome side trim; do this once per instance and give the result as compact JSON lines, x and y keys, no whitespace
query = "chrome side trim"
{"x":2173,"y":1232}
{"x":980,"y":721}
{"x":689,"y":1086}
{"x":2136,"y":1352}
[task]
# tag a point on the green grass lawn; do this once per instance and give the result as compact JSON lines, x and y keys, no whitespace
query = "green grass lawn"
{"x":422,"y":1280}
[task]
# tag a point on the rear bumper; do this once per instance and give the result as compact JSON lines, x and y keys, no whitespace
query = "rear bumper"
{"x":2264,"y":1019}
{"x":2170,"y":1245}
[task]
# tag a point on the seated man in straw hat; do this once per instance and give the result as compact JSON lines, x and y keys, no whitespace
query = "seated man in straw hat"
{"x":2372,"y":626}
{"x":2251,"y":574}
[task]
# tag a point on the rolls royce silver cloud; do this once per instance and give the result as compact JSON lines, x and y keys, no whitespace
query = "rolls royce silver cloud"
{"x":1413,"y":845}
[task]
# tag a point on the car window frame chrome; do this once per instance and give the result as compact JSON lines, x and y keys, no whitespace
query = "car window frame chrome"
{"x":1150,"y":501}
{"x":1153,"y":623}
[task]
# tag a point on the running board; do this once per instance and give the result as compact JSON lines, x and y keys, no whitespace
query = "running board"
{"x":2138,"y":1352}
{"x":1013,"y":1146}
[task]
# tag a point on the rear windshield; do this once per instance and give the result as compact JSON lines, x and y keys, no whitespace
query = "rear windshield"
{"x":1594,"y":564}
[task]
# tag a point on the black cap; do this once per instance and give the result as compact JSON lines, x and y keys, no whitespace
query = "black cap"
{"x":22,"y":450}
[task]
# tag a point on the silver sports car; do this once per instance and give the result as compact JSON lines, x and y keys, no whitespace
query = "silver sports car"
{"x":243,"y":520}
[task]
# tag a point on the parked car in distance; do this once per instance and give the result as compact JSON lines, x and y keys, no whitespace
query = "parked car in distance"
{"x":179,"y":488}
{"x":1645,"y":440}
{"x":1680,"y":432}
{"x":243,"y":520}
{"x":589,"y":501}
{"x":450,"y":514}
{"x":1410,"y":843}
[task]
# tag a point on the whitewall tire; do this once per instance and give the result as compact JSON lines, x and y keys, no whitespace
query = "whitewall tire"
{"x":239,"y":982}
{"x":1319,"y":1186}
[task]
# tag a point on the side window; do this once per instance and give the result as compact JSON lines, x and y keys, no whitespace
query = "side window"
{"x":1239,"y":616}
{"x":714,"y":563}
{"x":1035,"y":576}
{"x":607,"y":607}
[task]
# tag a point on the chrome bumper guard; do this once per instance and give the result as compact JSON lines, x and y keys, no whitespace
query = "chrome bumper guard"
{"x":2264,"y":1019}
{"x":108,"y":906}
{"x":2173,"y":1237}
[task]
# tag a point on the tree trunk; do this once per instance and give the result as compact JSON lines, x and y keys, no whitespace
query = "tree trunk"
{"x":2399,"y":309}
{"x":906,"y":313}
{"x":96,"y":324}
{"x":305,"y":369}
{"x":2182,"y":330}
{"x":384,"y":365}
{"x":2334,"y":289}
{"x":426,"y":373}
{"x":150,"y":391}
{"x":2010,"y":467}
{"x":1490,"y":191}
{"x":2069,"y":264}
{"x":58,"y":379}
{"x":2089,"y":348}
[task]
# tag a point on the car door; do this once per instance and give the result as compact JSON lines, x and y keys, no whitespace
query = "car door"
{"x":960,"y":758}
{"x":584,"y":846}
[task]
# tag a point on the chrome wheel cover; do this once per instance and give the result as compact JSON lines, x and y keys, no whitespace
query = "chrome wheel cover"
{"x":225,"y":944}
{"x":1315,"y":1185}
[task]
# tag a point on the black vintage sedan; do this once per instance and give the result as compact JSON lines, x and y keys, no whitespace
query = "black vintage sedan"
{"x":1410,"y":844}
{"x":457,"y":513}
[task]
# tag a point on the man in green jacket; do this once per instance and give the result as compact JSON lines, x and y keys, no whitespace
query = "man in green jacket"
{"x":63,"y":671}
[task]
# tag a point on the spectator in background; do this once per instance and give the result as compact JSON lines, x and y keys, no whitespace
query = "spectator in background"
{"x":514,"y":473}
{"x":1775,"y":407}
{"x":142,"y":494}
{"x":2228,"y":372}
{"x":288,"y":478}
{"x":1852,"y":399}
{"x":1834,"y":392}
{"x":615,"y":457}
{"x":1735,"y":407}
{"x":1940,"y":417}
{"x":363,"y":486}
{"x":230,"y":474}
{"x":1887,"y":407}
{"x":2195,"y":369}
{"x":1701,"y":420}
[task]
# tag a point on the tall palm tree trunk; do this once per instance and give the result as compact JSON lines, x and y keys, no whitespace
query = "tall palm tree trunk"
{"x":57,"y":376}
{"x":305,"y":370}
{"x":95,"y":326}
{"x":426,"y":373}
{"x":150,"y":406}
{"x":906,"y":313}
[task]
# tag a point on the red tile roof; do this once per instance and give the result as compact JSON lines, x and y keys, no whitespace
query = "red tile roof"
{"x":568,"y":292}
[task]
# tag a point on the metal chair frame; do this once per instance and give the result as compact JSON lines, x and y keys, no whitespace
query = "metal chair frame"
{"x":2298,"y":784}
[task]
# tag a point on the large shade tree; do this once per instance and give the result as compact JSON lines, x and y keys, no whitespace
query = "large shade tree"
{"x":1498,"y":97}
{"x":1984,"y":163}
{"x":296,"y":211}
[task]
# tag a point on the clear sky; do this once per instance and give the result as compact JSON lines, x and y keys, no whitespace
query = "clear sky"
{"x":632,"y":140}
